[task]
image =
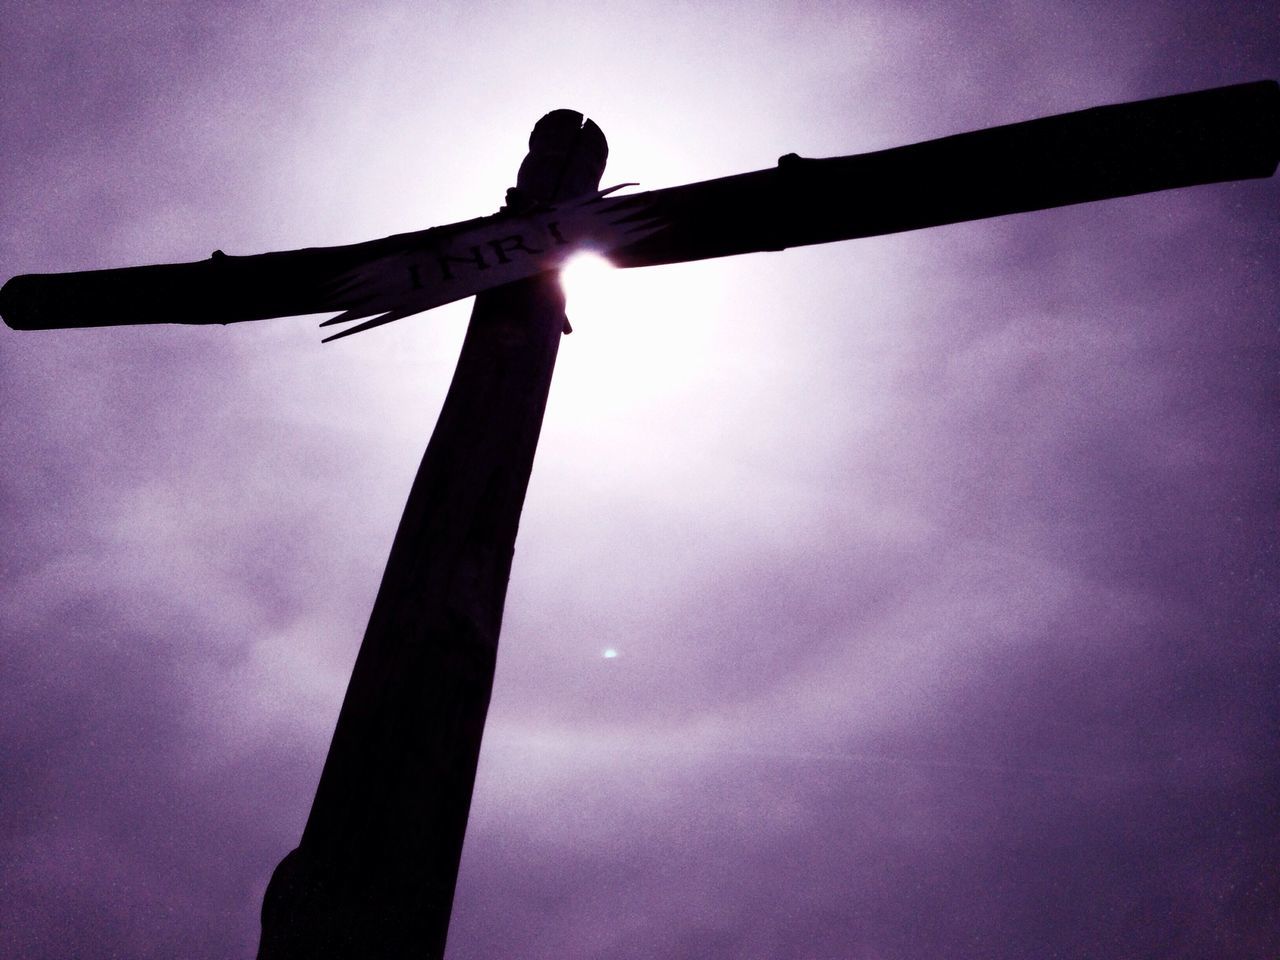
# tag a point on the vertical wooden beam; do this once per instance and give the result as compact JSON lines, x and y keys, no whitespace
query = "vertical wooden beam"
{"x":374,"y":873}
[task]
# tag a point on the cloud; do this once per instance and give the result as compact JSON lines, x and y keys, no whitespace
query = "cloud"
{"x":940,"y":566}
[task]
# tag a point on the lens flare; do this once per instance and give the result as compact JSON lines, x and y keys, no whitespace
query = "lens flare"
{"x":585,"y":278}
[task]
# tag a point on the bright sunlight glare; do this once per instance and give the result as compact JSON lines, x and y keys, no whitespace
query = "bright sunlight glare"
{"x":642,"y":338}
{"x":585,"y":276}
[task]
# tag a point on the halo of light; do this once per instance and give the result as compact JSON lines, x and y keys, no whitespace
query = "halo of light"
{"x":585,"y":277}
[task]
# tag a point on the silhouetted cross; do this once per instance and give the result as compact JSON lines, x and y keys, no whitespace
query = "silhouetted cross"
{"x":374,"y":873}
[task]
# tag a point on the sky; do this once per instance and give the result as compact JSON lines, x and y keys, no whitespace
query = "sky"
{"x":939,"y":570}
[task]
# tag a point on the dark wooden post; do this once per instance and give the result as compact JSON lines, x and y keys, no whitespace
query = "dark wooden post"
{"x":374,"y":873}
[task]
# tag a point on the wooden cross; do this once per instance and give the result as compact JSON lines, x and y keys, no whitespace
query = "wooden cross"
{"x":375,"y":870}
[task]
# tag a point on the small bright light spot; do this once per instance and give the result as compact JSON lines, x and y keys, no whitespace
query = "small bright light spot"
{"x":585,"y":279}
{"x":610,"y":653}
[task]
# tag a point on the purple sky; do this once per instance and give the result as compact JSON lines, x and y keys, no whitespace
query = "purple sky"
{"x":941,"y":568}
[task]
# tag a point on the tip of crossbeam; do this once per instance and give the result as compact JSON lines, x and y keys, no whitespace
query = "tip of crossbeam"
{"x":19,"y":303}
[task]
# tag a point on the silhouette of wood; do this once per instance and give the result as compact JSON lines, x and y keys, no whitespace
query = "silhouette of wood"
{"x":374,"y":873}
{"x":1227,"y":133}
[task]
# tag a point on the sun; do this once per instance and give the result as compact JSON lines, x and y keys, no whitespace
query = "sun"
{"x":641,"y":338}
{"x":585,"y":279}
